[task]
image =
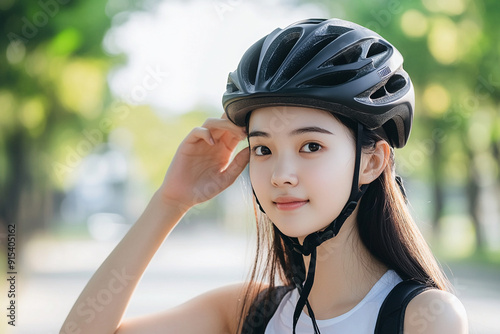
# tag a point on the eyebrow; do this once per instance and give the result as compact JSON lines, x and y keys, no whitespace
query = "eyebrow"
{"x":295,"y":132}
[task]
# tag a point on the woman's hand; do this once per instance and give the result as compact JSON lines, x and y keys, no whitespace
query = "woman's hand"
{"x":201,"y":168}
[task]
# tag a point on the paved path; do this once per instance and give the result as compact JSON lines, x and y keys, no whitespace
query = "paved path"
{"x":186,"y":265}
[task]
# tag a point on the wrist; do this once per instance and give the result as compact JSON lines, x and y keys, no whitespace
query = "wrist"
{"x":169,"y":204}
{"x":160,"y":215}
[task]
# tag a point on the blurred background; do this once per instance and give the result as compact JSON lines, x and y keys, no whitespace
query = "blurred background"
{"x":95,"y":97}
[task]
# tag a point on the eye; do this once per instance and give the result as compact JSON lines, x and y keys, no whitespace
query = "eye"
{"x":261,"y":150}
{"x":311,"y":147}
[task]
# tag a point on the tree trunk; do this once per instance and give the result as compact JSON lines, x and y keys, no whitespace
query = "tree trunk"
{"x":438,"y":193}
{"x":473,"y":200}
{"x":25,"y":201}
{"x":15,"y":178}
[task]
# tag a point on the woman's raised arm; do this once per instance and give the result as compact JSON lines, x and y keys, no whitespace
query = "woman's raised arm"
{"x":200,"y":170}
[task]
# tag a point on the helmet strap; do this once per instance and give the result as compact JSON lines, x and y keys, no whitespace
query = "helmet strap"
{"x":313,"y":240}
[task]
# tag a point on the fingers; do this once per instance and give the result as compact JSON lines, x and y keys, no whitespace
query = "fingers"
{"x":215,"y":131}
{"x":200,"y":133}
{"x":225,"y":125}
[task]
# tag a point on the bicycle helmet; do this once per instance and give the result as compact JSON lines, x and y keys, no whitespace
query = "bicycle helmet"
{"x":332,"y":65}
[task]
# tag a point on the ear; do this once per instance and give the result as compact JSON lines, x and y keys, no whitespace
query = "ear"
{"x":373,"y":162}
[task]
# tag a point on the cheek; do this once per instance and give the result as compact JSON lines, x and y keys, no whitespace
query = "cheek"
{"x":258,"y":177}
{"x":333,"y":177}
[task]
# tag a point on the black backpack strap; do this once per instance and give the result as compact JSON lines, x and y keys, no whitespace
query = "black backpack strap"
{"x":263,"y":309}
{"x":392,"y":312}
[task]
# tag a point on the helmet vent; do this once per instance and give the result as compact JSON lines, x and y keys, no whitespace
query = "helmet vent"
{"x":303,"y":57}
{"x":348,"y":56}
{"x":317,"y":47}
{"x":231,"y":87}
{"x":281,"y":51}
{"x":378,"y":93}
{"x":252,"y":68}
{"x":395,"y":83}
{"x":330,"y":79}
{"x":375,"y":49}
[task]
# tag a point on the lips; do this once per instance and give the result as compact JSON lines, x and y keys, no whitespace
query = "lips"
{"x":289,"y":203}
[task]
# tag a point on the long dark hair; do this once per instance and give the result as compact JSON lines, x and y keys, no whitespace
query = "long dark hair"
{"x":385,"y":226}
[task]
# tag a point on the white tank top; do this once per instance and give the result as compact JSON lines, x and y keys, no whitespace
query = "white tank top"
{"x":361,"y":319}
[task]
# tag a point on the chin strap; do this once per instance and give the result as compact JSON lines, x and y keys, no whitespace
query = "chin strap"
{"x":313,"y":240}
{"x":399,"y":182}
{"x":309,"y":247}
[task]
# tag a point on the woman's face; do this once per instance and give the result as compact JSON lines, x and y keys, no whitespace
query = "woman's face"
{"x":301,"y":166}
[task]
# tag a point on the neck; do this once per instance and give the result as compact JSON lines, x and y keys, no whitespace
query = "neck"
{"x":345,"y":273}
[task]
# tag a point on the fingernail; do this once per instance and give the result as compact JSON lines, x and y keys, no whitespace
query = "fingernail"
{"x":212,"y":141}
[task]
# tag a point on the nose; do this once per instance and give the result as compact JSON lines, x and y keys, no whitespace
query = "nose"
{"x":284,"y":173}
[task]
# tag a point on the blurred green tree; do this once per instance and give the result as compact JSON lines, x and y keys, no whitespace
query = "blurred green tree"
{"x":52,"y":86}
{"x":56,"y":107}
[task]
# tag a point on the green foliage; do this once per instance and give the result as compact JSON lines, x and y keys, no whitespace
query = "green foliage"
{"x":56,"y":107}
{"x":52,"y":84}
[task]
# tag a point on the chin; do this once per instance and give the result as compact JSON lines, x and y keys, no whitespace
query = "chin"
{"x":297,"y":229}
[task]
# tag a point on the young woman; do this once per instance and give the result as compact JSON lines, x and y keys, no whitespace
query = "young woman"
{"x":322,"y":104}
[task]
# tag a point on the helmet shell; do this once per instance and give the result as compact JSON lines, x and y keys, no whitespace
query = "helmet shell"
{"x":333,"y":65}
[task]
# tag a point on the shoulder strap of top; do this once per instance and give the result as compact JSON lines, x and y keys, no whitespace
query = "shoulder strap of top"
{"x":262,"y":310}
{"x":392,"y":312}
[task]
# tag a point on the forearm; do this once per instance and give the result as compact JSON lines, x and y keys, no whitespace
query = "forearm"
{"x":100,"y":306}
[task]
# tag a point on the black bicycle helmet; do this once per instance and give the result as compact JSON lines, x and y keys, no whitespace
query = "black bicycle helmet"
{"x":334,"y":65}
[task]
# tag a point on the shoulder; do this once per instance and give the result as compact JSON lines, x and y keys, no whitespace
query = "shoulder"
{"x":226,"y":302}
{"x":216,"y":311}
{"x":435,"y":311}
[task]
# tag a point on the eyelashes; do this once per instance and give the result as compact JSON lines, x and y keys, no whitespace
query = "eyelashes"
{"x":261,"y":150}
{"x":311,"y":147}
